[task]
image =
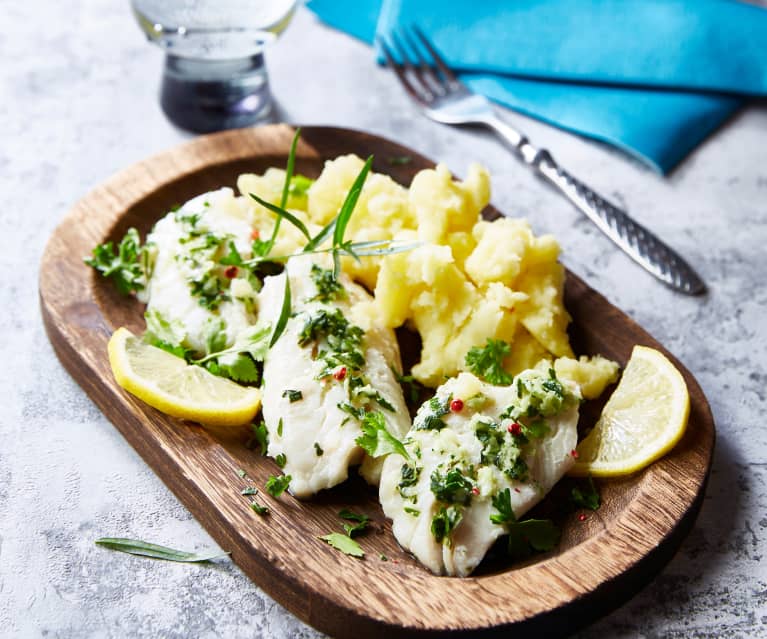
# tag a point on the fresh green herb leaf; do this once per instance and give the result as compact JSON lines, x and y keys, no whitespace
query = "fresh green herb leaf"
{"x":259,"y":437}
{"x":259,"y":508}
{"x":233,"y":257}
{"x":241,"y":369}
{"x":318,"y":450}
{"x":382,"y":557}
{"x":284,"y":314}
{"x":376,"y":440}
{"x":412,"y":511}
{"x":165,"y":334}
{"x":344,"y":543}
{"x":531,"y":535}
{"x":275,"y":486}
{"x":451,"y":487}
{"x":146,"y":549}
{"x":127,"y":266}
{"x":586,"y":495}
{"x":283,"y":214}
{"x":250,"y":490}
{"x":241,"y":473}
{"x":328,"y":287}
{"x":293,"y":395}
{"x":280,"y":425}
{"x":430,"y":414}
{"x":408,"y":477}
{"x":281,"y":460}
{"x":444,"y":523}
{"x":487,"y":362}
{"x":362,"y":522}
{"x":502,"y":503}
{"x":269,"y":245}
{"x":347,"y":208}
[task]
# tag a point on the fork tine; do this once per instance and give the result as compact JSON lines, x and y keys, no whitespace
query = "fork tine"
{"x":399,"y":70}
{"x":438,"y":60}
{"x":425,"y":71}
{"x":427,"y":80}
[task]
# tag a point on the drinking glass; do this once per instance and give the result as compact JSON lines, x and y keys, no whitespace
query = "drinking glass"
{"x":214,"y":76}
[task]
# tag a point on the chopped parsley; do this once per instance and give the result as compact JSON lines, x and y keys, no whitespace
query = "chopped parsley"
{"x":429,"y":418}
{"x":259,"y":437}
{"x":451,"y":487}
{"x":279,"y":427}
{"x":241,"y":473}
{"x":532,"y":535}
{"x":128,"y":266}
{"x":275,"y":486}
{"x":293,"y":395}
{"x":344,"y":543}
{"x":444,"y":523}
{"x":376,"y":440}
{"x":361,"y":524}
{"x":250,"y":490}
{"x":487,"y":362}
{"x":502,"y":449}
{"x":328,"y":287}
{"x":502,"y":503}
{"x":258,"y":508}
{"x":318,"y":450}
{"x":408,"y":478}
{"x":585,"y":495}
{"x":412,"y":511}
{"x":281,"y":460}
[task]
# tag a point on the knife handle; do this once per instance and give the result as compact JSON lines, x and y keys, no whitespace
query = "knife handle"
{"x":641,"y":245}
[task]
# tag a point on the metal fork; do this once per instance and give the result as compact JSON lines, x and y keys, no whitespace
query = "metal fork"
{"x":444,"y":98}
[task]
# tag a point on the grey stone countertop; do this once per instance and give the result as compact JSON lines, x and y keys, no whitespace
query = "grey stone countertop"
{"x":79,"y":102}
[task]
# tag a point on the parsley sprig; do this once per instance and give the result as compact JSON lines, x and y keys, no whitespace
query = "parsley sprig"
{"x":127,"y":265}
{"x":376,"y":440}
{"x":486,"y":362}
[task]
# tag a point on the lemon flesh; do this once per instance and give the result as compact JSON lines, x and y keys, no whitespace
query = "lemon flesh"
{"x":643,"y":419}
{"x":169,"y":384}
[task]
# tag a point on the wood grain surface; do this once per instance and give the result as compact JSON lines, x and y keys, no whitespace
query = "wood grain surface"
{"x":600,"y":562}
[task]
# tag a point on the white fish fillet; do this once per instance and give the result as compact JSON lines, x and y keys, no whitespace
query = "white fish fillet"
{"x":317,"y":437}
{"x":547,"y":460}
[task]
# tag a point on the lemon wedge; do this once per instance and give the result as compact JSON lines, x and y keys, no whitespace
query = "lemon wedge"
{"x":176,"y":388}
{"x":644,"y":418}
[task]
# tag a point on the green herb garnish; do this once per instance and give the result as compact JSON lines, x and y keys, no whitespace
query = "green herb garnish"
{"x":344,"y":543}
{"x":444,"y":523}
{"x":487,"y":362}
{"x":328,"y":287}
{"x":586,"y":495}
{"x":502,"y":503}
{"x":259,"y":508}
{"x":275,"y":486}
{"x":127,"y":266}
{"x":282,"y":322}
{"x":259,"y":437}
{"x":362,"y":522}
{"x":531,"y":535}
{"x":293,"y":395}
{"x":146,"y":549}
{"x":318,"y":450}
{"x":451,"y":487}
{"x":376,"y":440}
{"x":281,"y":460}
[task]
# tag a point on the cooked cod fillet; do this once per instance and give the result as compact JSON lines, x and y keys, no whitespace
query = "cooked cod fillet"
{"x":314,"y":393}
{"x":462,"y":458}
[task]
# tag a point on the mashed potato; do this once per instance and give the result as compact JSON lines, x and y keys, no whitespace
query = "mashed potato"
{"x":469,"y":279}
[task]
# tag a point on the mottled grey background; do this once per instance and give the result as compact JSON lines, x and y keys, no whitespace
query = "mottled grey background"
{"x":78,"y":89}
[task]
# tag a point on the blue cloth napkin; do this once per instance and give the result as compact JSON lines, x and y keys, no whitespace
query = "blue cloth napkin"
{"x":653,"y":78}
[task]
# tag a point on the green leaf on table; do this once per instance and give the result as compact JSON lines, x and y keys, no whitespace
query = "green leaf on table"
{"x":361,"y":524}
{"x":344,"y":543}
{"x":585,"y":495}
{"x":276,"y":485}
{"x":146,"y":549}
{"x":532,"y":535}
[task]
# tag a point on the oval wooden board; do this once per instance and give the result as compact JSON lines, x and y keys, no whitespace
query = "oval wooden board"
{"x":599,"y":563}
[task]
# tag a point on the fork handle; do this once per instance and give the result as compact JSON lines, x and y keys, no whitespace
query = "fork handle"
{"x":640,"y":244}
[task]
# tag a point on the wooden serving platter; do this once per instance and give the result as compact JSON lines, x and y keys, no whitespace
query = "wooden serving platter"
{"x":598,"y":565}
